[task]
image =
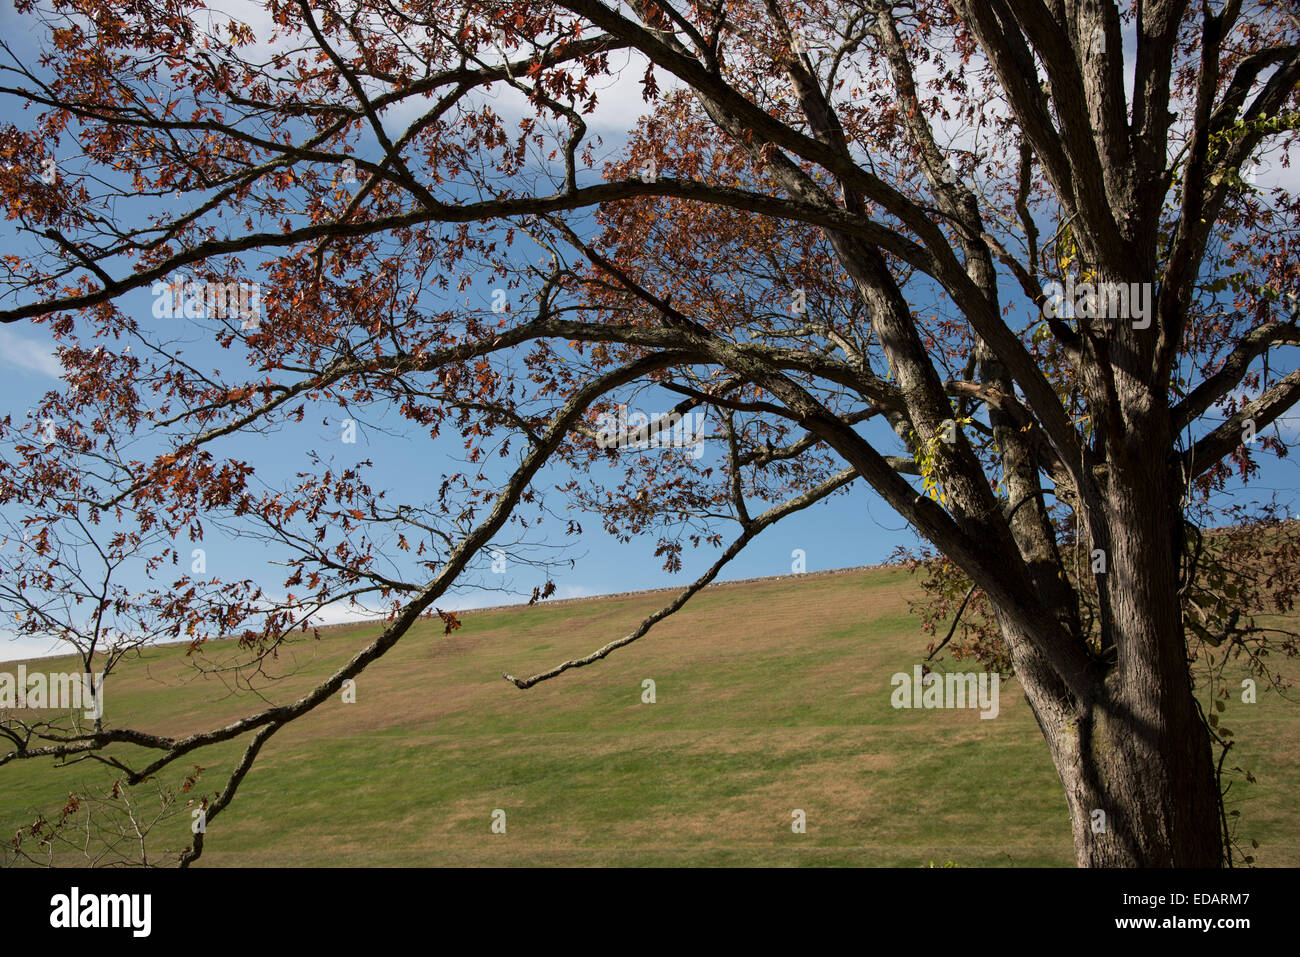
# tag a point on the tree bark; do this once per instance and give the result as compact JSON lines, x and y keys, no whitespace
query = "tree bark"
{"x":1136,"y":748}
{"x":1149,"y":774}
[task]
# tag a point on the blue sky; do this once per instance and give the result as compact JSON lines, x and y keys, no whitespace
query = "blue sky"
{"x":852,"y":529}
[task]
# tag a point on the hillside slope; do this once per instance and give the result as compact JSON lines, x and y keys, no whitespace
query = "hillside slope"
{"x":771,"y":696}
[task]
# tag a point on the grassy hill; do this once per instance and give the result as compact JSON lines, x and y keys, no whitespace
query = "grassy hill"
{"x":771,"y":696}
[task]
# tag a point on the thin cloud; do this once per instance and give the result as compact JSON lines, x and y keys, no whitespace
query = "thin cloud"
{"x":27,"y":647}
{"x":27,"y":354}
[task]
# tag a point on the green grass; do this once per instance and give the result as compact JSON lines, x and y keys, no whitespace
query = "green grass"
{"x":771,"y":696}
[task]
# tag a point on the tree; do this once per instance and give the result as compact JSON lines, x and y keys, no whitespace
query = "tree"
{"x":932,"y":246}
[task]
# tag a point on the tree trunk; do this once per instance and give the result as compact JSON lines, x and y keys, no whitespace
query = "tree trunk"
{"x":1133,"y":746}
{"x":1154,"y":782}
{"x":1146,"y":766}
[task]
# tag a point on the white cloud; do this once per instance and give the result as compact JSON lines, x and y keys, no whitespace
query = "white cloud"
{"x":27,"y":647}
{"x":28,"y":354}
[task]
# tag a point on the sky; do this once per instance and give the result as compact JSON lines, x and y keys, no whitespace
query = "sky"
{"x":852,"y":529}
